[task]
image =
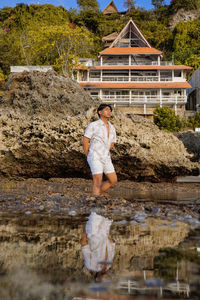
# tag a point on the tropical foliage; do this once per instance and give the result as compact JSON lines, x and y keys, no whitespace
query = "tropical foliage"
{"x":165,"y":119}
{"x":42,"y":35}
{"x":49,"y":35}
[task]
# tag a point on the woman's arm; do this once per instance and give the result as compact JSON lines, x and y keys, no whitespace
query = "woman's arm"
{"x":83,"y":239}
{"x":86,"y":143}
{"x":112,"y":145}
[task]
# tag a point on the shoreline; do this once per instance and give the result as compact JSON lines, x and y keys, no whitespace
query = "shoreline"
{"x":72,"y":197}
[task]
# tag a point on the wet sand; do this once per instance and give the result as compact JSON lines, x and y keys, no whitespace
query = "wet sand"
{"x":73,"y":196}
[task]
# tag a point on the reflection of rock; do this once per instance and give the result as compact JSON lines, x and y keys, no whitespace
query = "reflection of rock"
{"x":138,"y":244}
{"x":52,"y":245}
{"x":41,"y":134}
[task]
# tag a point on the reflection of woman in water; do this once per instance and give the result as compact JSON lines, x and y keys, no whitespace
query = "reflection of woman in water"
{"x":97,"y":248}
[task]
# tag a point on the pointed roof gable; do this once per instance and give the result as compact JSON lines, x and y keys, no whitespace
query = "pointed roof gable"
{"x":130,"y":36}
{"x":110,"y":9}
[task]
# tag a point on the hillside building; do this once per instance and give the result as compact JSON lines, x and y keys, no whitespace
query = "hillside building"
{"x":131,"y":75}
{"x":194,"y":93}
{"x":110,"y":9}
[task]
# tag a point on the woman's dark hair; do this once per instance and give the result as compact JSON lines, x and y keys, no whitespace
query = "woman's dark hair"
{"x":102,"y":106}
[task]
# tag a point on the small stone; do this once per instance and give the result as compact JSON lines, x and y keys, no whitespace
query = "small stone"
{"x":91,"y":198}
{"x":123,"y":222}
{"x":72,"y":213}
{"x":140,"y":217}
{"x":134,"y":222}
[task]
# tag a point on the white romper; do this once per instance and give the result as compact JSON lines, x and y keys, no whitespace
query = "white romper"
{"x":97,"y":231}
{"x":98,"y":157}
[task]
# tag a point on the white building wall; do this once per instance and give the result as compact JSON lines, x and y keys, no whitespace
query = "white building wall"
{"x":194,"y":81}
{"x":18,"y":69}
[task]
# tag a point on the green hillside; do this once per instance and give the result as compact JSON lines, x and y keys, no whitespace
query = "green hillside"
{"x":49,"y":35}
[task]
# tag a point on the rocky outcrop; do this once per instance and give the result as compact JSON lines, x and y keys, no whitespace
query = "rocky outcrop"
{"x":43,"y":117}
{"x":184,"y":16}
{"x":191,"y":141}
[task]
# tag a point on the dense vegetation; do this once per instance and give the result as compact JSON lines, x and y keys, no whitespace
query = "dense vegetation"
{"x":166,"y":119}
{"x":49,"y":35}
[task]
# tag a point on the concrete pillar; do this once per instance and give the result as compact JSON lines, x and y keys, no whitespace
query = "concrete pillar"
{"x":158,"y":75}
{"x":101,"y":61}
{"x":172,"y":75}
{"x":101,"y":75}
{"x":145,"y":105}
{"x":175,"y":106}
{"x":88,"y":75}
{"x":129,"y":75}
{"x":100,"y":94}
{"x":158,"y":60}
{"x":160,"y":98}
{"x":145,"y":109}
{"x":129,"y":60}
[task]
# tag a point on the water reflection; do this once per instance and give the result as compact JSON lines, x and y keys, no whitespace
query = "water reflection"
{"x":40,"y":255}
{"x":97,"y":246}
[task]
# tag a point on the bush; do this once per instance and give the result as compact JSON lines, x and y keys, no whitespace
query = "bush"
{"x":194,"y":122}
{"x":2,"y":80}
{"x":165,"y":119}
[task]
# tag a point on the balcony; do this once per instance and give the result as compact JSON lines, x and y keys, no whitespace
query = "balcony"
{"x":147,"y":99}
{"x":134,"y":63}
{"x":128,"y":79}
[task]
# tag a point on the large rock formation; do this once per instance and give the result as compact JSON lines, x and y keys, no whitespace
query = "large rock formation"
{"x":191,"y":141}
{"x":43,"y":117}
{"x":183,"y":15}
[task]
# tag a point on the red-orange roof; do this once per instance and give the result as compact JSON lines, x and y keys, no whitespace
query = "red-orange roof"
{"x":137,"y":67}
{"x":130,"y":50}
{"x":129,"y":85}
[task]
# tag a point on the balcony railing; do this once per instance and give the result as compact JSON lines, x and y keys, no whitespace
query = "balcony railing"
{"x":134,"y":99}
{"x":135,"y":63}
{"x":128,"y":79}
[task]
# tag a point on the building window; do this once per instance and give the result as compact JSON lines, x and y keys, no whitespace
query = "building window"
{"x":177,"y":73}
{"x":94,"y":93}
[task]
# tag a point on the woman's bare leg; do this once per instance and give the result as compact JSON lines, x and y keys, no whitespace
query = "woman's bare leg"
{"x":112,"y":179}
{"x":97,"y":181}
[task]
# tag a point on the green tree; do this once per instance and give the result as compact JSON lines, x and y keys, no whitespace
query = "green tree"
{"x":88,"y":5}
{"x":2,"y":79}
{"x":186,"y":44}
{"x":194,"y":122}
{"x":157,"y":3}
{"x":165,"y":119}
{"x":129,"y":5}
{"x":58,"y":45}
{"x":157,"y":34}
{"x":186,"y":5}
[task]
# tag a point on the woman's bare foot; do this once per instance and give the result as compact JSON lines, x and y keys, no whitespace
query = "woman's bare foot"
{"x":105,"y":194}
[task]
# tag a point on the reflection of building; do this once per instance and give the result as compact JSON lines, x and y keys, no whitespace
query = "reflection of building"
{"x":131,"y":75}
{"x":131,"y":286}
{"x":194,"y":93}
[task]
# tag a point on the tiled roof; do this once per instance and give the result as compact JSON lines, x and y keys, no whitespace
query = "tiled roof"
{"x":170,"y":67}
{"x":130,"y":50}
{"x":139,"y":85}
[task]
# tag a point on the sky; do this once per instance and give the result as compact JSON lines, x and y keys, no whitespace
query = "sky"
{"x":72,"y":3}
